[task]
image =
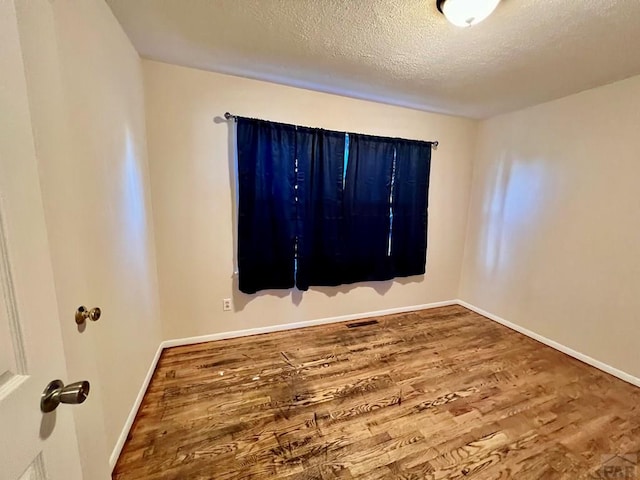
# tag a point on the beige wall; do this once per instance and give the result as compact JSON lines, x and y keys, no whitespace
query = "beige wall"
{"x":189,"y":156}
{"x":554,"y":222}
{"x":87,"y":105}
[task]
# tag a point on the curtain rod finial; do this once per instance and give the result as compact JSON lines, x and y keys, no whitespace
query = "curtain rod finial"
{"x":227,"y":115}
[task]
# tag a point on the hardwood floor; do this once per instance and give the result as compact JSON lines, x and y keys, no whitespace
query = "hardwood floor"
{"x":434,"y":394}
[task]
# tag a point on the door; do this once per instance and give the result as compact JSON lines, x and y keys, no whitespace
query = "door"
{"x":33,"y":445}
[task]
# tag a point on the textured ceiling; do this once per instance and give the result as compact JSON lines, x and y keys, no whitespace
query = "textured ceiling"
{"x":398,"y":51}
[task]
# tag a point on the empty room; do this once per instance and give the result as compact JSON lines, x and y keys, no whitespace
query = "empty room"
{"x":319,"y":239}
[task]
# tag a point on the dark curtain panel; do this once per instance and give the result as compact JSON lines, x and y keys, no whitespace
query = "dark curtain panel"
{"x":266,"y":205}
{"x":366,"y":209}
{"x":320,"y":156}
{"x":410,"y":198}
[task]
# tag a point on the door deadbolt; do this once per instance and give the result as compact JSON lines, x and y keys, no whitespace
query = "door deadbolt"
{"x":56,"y":393}
{"x":82,"y":314}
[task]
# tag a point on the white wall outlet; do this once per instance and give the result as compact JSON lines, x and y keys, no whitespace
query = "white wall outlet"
{"x":226,"y":304}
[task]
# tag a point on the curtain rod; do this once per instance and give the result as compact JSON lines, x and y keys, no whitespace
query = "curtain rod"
{"x":229,"y":116}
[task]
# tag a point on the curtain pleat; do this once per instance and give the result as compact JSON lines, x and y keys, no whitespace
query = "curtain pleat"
{"x":266,"y":205}
{"x":410,"y":203}
{"x":366,"y":209}
{"x":320,"y":155}
{"x":303,"y":221}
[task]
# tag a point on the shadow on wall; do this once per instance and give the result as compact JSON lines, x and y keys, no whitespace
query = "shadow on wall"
{"x":493,"y":211}
{"x":241,"y":300}
{"x":510,"y":211}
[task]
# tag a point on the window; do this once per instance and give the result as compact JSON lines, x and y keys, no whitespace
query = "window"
{"x":319,"y":207}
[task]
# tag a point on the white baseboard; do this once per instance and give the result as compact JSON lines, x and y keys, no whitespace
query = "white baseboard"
{"x":307,"y":323}
{"x":134,"y":409}
{"x":557,"y":346}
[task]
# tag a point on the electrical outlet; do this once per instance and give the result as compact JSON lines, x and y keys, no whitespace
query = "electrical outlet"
{"x":226,"y":304}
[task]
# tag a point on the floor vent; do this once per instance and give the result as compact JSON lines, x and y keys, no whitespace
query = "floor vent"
{"x":362,"y":324}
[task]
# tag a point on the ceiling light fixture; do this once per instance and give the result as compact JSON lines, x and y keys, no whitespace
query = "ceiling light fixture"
{"x":464,"y":13}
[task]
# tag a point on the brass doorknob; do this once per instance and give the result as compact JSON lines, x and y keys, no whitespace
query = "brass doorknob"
{"x":82,"y":314}
{"x":56,"y":393}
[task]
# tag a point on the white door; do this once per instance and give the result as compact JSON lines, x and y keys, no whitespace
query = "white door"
{"x":33,"y":445}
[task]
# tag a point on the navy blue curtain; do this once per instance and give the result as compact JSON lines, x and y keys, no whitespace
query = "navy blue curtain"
{"x":410,"y":203}
{"x":305,"y":218}
{"x":366,"y":209}
{"x":266,"y":205}
{"x":320,"y":223}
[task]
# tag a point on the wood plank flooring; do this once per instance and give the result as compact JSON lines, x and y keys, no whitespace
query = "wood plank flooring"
{"x":435,"y":394}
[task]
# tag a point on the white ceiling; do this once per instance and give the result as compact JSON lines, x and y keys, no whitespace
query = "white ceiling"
{"x":401,"y":52}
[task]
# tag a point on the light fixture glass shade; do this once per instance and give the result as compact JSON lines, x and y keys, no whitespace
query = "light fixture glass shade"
{"x":464,"y":13}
